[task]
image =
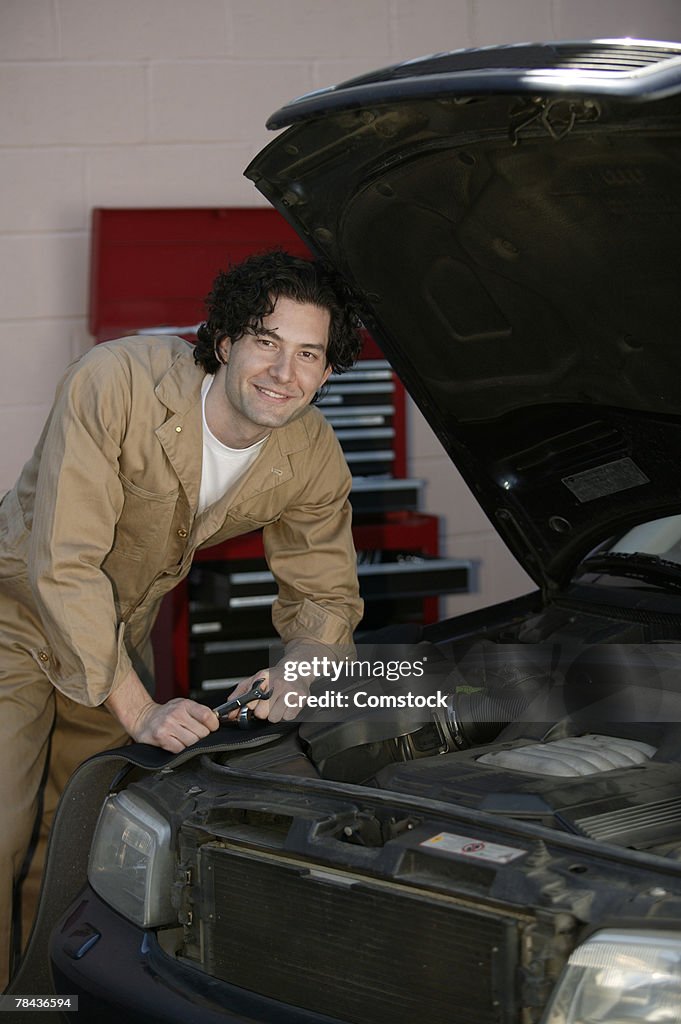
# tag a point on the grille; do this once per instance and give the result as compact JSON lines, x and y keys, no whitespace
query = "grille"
{"x":642,"y":825}
{"x":614,"y":59}
{"x":363,"y":952}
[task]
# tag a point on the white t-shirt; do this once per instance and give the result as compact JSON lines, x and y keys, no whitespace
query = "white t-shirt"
{"x":221,"y":466}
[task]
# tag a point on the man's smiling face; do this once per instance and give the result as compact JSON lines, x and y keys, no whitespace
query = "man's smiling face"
{"x":270,"y":377}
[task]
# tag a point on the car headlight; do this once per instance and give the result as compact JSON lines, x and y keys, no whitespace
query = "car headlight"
{"x":619,"y":977}
{"x":131,"y":861}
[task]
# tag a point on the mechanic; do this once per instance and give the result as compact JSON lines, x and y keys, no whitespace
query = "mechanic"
{"x":154,"y":448}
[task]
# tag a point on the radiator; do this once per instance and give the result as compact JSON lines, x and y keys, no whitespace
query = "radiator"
{"x":354,"y":948}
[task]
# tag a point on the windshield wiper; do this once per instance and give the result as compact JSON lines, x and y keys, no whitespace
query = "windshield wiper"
{"x":635,"y":565}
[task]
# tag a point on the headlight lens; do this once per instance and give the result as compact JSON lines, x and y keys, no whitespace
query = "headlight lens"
{"x":131,"y":861}
{"x":620,"y":978}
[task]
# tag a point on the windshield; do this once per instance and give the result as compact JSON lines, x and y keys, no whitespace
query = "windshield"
{"x":660,"y":538}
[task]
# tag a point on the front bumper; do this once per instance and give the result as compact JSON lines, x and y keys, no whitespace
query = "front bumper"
{"x":120,"y":972}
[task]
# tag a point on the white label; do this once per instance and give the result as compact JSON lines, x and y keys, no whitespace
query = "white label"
{"x":468,"y":846}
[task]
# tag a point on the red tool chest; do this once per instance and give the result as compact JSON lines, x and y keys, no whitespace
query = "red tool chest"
{"x":150,"y":270}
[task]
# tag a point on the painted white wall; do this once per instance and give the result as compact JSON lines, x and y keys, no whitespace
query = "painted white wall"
{"x":163,"y":103}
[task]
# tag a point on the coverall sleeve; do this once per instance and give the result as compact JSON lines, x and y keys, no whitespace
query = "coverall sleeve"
{"x":311,"y":554}
{"x":78,"y":501}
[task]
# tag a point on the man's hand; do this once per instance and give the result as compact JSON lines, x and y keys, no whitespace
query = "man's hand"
{"x":175,"y":725}
{"x":287,"y":699}
{"x":172,"y":726}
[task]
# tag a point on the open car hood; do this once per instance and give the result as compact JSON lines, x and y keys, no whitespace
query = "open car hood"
{"x":510,"y":221}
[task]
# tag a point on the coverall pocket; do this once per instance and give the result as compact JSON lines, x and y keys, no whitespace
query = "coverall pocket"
{"x":145,"y":521}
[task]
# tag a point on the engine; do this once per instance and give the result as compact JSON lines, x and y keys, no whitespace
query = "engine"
{"x":581,"y":739}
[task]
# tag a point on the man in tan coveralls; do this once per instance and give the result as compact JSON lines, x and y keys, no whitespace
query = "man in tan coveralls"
{"x":152,"y":449}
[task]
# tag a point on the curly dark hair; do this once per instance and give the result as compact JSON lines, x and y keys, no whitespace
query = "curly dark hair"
{"x":247,"y":292}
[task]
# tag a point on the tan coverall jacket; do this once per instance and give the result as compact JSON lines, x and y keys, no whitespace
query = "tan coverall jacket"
{"x":100,"y":525}
{"x":102,"y":522}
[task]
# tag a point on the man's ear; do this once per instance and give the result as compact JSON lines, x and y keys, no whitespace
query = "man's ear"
{"x":223,"y":347}
{"x":327,"y":373}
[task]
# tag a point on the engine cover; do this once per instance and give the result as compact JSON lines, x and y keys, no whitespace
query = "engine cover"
{"x":604,"y":787}
{"x":574,"y":755}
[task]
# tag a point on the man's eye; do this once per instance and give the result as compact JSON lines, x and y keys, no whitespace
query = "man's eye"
{"x":309,"y":355}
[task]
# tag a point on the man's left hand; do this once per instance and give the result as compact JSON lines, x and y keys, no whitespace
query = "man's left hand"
{"x":284,"y":704}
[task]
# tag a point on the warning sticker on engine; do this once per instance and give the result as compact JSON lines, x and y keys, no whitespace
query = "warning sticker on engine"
{"x":468,"y":846}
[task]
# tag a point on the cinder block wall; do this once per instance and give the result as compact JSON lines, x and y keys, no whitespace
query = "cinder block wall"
{"x":163,"y":103}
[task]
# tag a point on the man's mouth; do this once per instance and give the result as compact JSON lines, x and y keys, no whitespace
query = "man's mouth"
{"x":278,"y":396}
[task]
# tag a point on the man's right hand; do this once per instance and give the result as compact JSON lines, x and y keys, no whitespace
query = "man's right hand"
{"x":175,"y":725}
{"x":172,"y":726}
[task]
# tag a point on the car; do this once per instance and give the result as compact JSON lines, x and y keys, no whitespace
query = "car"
{"x":488,"y":830}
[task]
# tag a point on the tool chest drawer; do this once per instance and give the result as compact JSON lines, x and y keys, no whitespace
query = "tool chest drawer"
{"x":218,"y":591}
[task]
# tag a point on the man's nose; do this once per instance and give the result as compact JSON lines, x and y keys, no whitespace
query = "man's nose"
{"x":282,"y":369}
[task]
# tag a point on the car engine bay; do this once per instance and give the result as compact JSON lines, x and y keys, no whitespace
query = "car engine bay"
{"x":571,"y":723}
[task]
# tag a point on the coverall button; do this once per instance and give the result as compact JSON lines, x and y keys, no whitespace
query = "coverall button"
{"x":43,"y":655}
{"x":181,"y":533}
{"x":178,"y":430}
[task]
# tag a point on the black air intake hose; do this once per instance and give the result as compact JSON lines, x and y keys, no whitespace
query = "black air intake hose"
{"x":477,"y":718}
{"x":493,"y":684}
